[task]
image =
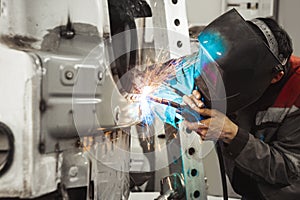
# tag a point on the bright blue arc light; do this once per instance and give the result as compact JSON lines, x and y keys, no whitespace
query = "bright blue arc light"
{"x":213,"y":43}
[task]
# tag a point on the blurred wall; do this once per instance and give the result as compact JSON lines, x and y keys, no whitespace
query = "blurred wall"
{"x":202,"y":12}
{"x":288,"y":17}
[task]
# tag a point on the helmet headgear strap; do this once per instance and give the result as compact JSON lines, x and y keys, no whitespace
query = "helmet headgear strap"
{"x":272,"y":42}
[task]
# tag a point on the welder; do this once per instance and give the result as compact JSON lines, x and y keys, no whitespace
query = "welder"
{"x":248,"y":94}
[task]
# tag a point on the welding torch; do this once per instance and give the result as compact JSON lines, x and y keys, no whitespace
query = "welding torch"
{"x":184,"y":110}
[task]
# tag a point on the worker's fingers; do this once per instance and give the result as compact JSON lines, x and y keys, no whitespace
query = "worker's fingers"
{"x":191,"y":125}
{"x":204,"y":123}
{"x":202,"y":133}
{"x":207,"y":112}
{"x":190,"y":102}
{"x":194,"y":125}
{"x":216,"y":126}
{"x":200,"y":129}
{"x":198,"y":102}
{"x":205,"y":129}
{"x":196,"y":94}
{"x":205,"y":134}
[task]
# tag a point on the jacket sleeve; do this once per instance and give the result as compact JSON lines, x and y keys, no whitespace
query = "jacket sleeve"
{"x":275,"y":163}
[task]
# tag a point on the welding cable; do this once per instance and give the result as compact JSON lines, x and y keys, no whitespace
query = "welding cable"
{"x":222,"y":170}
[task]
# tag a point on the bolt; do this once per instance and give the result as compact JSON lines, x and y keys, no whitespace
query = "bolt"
{"x":179,"y":44}
{"x":69,"y":75}
{"x":43,"y":105}
{"x":117,"y":113}
{"x":69,"y":34}
{"x":73,"y":171}
{"x":117,"y":116}
{"x":100,"y":76}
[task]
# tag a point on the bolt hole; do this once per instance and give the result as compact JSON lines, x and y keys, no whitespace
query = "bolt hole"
{"x":161,"y":136}
{"x":191,"y":151}
{"x":174,"y":1}
{"x":196,"y":194}
{"x":177,"y":22}
{"x":194,"y":172}
{"x":188,"y":130}
{"x":248,"y":5}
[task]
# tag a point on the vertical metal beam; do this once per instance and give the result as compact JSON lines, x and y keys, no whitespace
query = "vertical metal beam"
{"x":171,"y":35}
{"x":192,"y":165}
{"x":171,"y":27}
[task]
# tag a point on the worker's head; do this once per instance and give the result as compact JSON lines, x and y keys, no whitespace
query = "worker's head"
{"x":277,"y":39}
{"x":239,"y":61}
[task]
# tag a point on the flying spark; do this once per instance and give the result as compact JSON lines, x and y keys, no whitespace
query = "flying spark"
{"x":148,"y":81}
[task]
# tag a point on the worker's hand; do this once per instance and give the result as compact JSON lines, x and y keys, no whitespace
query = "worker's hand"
{"x":216,"y":125}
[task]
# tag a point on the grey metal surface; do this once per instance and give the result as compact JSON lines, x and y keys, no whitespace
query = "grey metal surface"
{"x":32,"y":19}
{"x":111,"y":171}
{"x":40,"y":89}
{"x":80,"y":100}
{"x":79,"y":95}
{"x":75,"y":169}
{"x":172,"y":187}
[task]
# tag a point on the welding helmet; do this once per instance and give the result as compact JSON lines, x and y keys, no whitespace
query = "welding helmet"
{"x":236,"y":64}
